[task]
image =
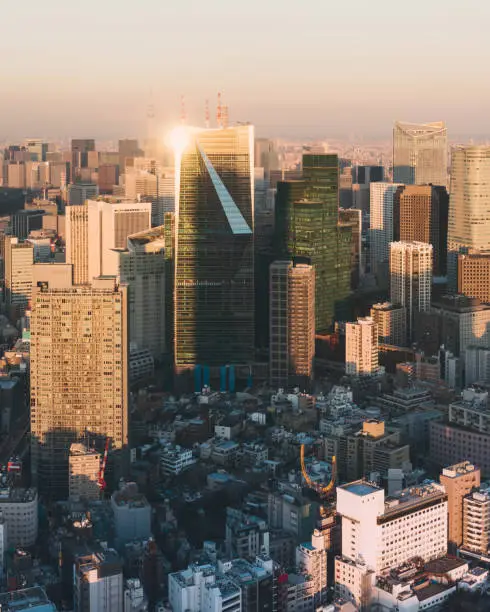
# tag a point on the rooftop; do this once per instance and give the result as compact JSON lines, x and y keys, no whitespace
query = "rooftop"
{"x":409,"y":498}
{"x":17,"y":495}
{"x":431,"y":590}
{"x":34,"y":599}
{"x":459,"y":469}
{"x":360,"y":488}
{"x":444,"y":565}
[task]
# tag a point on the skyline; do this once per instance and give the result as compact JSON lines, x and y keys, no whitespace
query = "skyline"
{"x":75,"y":74}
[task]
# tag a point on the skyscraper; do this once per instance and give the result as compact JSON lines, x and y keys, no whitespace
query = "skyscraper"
{"x":142,"y":267}
{"x":19,"y":259}
{"x":292,"y":324}
{"x":79,"y":193}
{"x":469,"y":205}
{"x":77,"y":242}
{"x":421,"y":215}
{"x":214,"y":267}
{"x":79,"y":374}
{"x":420,"y":153}
{"x":392,"y":323}
{"x":95,"y":231}
{"x":361,"y":347}
{"x":474,"y":275}
{"x":411,"y":278}
{"x":381,"y":222}
{"x":307,"y":230}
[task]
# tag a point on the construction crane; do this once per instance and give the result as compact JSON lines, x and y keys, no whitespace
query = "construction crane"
{"x":323,"y":490}
{"x":101,"y":480}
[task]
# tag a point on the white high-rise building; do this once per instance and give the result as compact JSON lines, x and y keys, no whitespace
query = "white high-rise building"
{"x":381,"y":222}
{"x":420,"y":153}
{"x":311,"y":560}
{"x":469,"y":205}
{"x":361,"y":347}
{"x":379,"y":534}
{"x":411,"y":278}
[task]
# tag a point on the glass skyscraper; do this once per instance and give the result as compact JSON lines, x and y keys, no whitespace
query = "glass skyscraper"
{"x":308,"y":231}
{"x":420,"y":153}
{"x":214,"y":259}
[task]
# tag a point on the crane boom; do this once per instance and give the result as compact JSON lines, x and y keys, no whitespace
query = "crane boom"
{"x":320,"y":489}
{"x":101,"y":481}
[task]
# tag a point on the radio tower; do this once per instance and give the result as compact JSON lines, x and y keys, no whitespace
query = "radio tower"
{"x":183,"y":115}
{"x":206,"y":116}
{"x":218,"y":111}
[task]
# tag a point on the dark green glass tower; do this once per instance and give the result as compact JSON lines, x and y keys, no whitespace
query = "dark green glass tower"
{"x":307,"y":231}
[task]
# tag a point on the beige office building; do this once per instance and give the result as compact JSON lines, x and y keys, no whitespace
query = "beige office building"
{"x":469,"y":204}
{"x":411,"y":278}
{"x":420,"y":153}
{"x":361,"y":347}
{"x":392,"y":323}
{"x":458,"y":480}
{"x":292,"y":323}
{"x":77,"y":242}
{"x":19,"y":259}
{"x":79,"y":374}
{"x":476,"y":523}
{"x":84,"y":467}
{"x":474,"y":275}
{"x":142,"y":268}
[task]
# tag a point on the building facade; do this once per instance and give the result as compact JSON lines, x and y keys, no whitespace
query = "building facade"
{"x":292,"y":324}
{"x":84,"y":468}
{"x":474,"y":275}
{"x":79,"y":374}
{"x":391,"y":321}
{"x":77,"y":243}
{"x":19,"y":261}
{"x":469,"y":204}
{"x":420,"y":153}
{"x":214,"y":266}
{"x":411,"y":278}
{"x":98,"y":583}
{"x":361,"y":347}
{"x":382,"y":196}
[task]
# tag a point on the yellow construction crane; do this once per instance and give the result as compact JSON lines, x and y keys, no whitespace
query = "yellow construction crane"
{"x":323,"y":491}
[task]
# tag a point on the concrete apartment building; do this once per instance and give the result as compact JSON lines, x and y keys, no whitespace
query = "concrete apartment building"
{"x":98,"y":582}
{"x":458,"y":480}
{"x":391,"y":321}
{"x":361,"y":347}
{"x":411,"y":278}
{"x":79,"y":374}
{"x":291,"y":324}
{"x":19,"y":510}
{"x":476,"y":525}
{"x":381,"y":533}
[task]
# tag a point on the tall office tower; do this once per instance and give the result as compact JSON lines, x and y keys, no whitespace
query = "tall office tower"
{"x":381,"y":222}
{"x":421,"y":215}
{"x":352,"y":217}
{"x":77,"y":243}
{"x":59,"y":174}
{"x":214,"y":267}
{"x":80,"y":149}
{"x":108,"y":177}
{"x":266,"y":156}
{"x":292,"y":324}
{"x":391,"y":320}
{"x":307,"y":231}
{"x":79,"y":374}
{"x":16,"y":175}
{"x":37,"y":149}
{"x":474,"y":275}
{"x":128,"y":147}
{"x":459,"y":480}
{"x":420,"y":153}
{"x":411,"y":278}
{"x":469,"y":205}
{"x":79,"y":193}
{"x":98,"y":582}
{"x":361,"y":347}
{"x":109,"y":225}
{"x":142,"y":267}
{"x":363,"y":175}
{"x":19,"y":259}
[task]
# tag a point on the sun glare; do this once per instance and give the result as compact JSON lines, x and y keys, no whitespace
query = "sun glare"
{"x":178,"y":139}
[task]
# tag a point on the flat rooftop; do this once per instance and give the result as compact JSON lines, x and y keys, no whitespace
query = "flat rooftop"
{"x":26,"y":599}
{"x":360,"y":488}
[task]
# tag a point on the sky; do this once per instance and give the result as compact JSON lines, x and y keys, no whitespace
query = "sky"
{"x":306,"y":69}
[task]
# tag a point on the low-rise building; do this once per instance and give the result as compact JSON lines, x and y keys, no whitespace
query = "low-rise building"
{"x":98,"y":582}
{"x":247,"y":535}
{"x":19,"y":509}
{"x":84,"y":469}
{"x":175,"y":459}
{"x":132,"y":514}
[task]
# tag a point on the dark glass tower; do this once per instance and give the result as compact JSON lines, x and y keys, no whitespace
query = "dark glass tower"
{"x":214,"y":259}
{"x":307,"y":230}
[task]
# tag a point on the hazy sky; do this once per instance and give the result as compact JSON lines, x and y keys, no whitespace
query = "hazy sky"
{"x":309,"y":68}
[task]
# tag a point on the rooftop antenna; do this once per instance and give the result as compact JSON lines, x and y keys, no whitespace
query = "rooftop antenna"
{"x":206,"y":115}
{"x":183,"y":115}
{"x":218,"y":111}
